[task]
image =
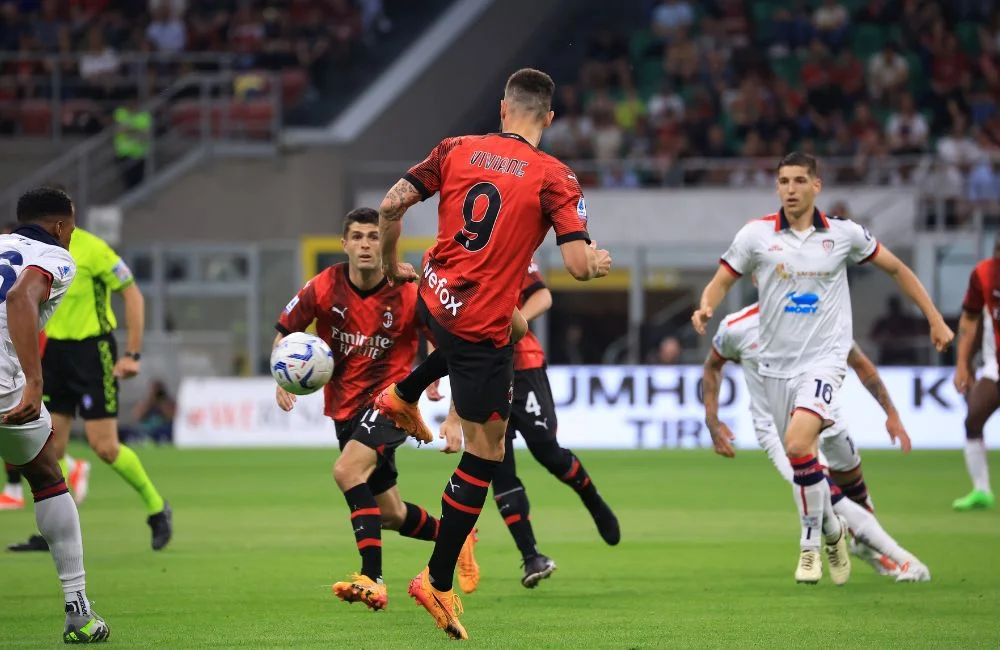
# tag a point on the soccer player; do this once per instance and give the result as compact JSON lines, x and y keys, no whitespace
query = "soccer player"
{"x":500,"y":195}
{"x":738,"y":341}
{"x":35,"y":273}
{"x":800,"y":258}
{"x":982,"y":294}
{"x":534,"y":416}
{"x":372,"y":329}
{"x":82,"y":370}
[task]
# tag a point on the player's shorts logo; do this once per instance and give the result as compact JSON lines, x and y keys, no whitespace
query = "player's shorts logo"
{"x":802,"y":303}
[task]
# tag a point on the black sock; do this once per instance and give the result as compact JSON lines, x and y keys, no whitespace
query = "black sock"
{"x":13,"y":474}
{"x":418,"y":524}
{"x":461,"y":503}
{"x":433,"y":368}
{"x":514,"y":508}
{"x":366,"y":520}
{"x":578,"y":479}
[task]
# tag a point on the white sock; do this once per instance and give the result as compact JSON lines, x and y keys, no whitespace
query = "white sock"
{"x":14,"y":490}
{"x":831,"y":525}
{"x":867,"y":529}
{"x":809,"y":500}
{"x":975,"y":460}
{"x":59,"y":523}
{"x":776,"y":452}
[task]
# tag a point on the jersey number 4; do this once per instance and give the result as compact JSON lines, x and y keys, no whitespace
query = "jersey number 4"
{"x":476,"y":233}
{"x":8,"y":276}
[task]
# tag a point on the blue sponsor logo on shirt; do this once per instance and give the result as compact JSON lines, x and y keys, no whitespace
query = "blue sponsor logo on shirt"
{"x":802,"y":303}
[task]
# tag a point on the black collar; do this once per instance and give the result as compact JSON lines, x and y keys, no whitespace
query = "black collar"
{"x":514,"y":136}
{"x":362,"y":293}
{"x":819,"y":220}
{"x":36,"y":232}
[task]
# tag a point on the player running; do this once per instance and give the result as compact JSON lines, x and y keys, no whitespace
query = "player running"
{"x":534,"y":416}
{"x":983,"y":294}
{"x":82,"y":369}
{"x":36,"y":271}
{"x":800,"y":258}
{"x":372,"y":329}
{"x":737,"y":340}
{"x":500,"y":196}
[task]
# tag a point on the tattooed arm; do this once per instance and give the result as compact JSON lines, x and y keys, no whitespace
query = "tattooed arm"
{"x":397,"y":201}
{"x":870,"y":379}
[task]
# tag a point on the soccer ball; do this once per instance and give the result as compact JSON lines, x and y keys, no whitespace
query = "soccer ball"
{"x":301,"y":363}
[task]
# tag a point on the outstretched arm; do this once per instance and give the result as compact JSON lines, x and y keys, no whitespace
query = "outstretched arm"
{"x":910,"y":285}
{"x":872,"y":381}
{"x":712,"y":297}
{"x":397,"y":201}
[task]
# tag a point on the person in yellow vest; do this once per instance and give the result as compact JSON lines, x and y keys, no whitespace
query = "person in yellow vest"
{"x":133,"y":128}
{"x":81,"y":369}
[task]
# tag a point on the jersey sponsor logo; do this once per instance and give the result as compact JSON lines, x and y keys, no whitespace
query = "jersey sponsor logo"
{"x":581,"y":209}
{"x":775,"y":248}
{"x":122,"y":271}
{"x":784,"y":272}
{"x":371,"y":347}
{"x":63,"y":272}
{"x":802,"y":303}
{"x":340,"y":311}
{"x":291,"y":305}
{"x":438,"y":285}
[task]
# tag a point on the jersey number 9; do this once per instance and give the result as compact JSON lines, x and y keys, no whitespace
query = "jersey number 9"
{"x":476,"y":233}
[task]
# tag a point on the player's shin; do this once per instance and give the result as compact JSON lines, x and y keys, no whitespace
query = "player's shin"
{"x":868,"y":530}
{"x":857,"y":491}
{"x":512,"y":502}
{"x":366,"y":521}
{"x":461,"y":503}
{"x":59,"y":523}
{"x":811,"y":496}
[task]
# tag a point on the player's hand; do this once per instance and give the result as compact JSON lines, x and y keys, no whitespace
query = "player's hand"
{"x":722,"y":439}
{"x":399,"y":273}
{"x":603,"y":260}
{"x":897,"y":431}
{"x":126,"y":368}
{"x":941,"y":335}
{"x":285,"y":400}
{"x":28,"y":409}
{"x":433,"y":391}
{"x":701,"y":318}
{"x":963,"y":378}
{"x":451,"y":433}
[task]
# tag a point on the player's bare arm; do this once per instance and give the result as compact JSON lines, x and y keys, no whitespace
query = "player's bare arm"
{"x":285,"y":400}
{"x":712,"y":297}
{"x":537,"y":304}
{"x":868,"y":373}
{"x":585,"y":261}
{"x":909,"y":283}
{"x":23,"y":300}
{"x":397,"y":201}
{"x":711,"y":383}
{"x":135,"y":324}
{"x":968,"y":327}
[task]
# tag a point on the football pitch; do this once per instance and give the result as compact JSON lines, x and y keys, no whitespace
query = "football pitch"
{"x":708,"y":550}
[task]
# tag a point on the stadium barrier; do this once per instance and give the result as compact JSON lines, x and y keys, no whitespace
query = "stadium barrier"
{"x":609,"y":407}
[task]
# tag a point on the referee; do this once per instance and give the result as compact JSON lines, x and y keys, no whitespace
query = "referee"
{"x":81,"y":368}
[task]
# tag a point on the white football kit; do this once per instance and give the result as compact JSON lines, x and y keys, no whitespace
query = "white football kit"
{"x":21,"y":444}
{"x":737,"y":340}
{"x":806,"y":327}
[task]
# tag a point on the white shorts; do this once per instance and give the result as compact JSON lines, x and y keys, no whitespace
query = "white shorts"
{"x":838,"y":448}
{"x":814,"y":390}
{"x":19,"y":445}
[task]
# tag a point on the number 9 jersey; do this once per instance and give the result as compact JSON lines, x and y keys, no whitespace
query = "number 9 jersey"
{"x":499,"y":197}
{"x":18,"y":253}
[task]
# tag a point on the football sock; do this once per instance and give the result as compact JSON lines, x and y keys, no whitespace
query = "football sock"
{"x":811,"y":491}
{"x":461,"y":503}
{"x":366,"y":520}
{"x":65,"y":465}
{"x":434,"y":367}
{"x":578,"y":479}
{"x":975,"y":461}
{"x":868,"y":530}
{"x":776,"y":453}
{"x":857,"y":491}
{"x":13,"y":475}
{"x":514,"y":508}
{"x":130,"y":468}
{"x":418,"y":524}
{"x":59,"y":523}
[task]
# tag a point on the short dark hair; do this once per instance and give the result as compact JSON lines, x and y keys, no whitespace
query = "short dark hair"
{"x":532,"y":90}
{"x":799,"y":159}
{"x":44,"y":203}
{"x":360,"y":215}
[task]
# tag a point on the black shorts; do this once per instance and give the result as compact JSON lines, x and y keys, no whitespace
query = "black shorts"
{"x":534,"y":411}
{"x":481,"y":375}
{"x":379,"y":433}
{"x":78,"y":377}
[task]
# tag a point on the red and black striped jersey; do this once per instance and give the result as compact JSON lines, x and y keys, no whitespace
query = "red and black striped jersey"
{"x":528,"y":352}
{"x":983,"y":292}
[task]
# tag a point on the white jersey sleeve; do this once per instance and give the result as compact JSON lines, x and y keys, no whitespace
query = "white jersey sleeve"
{"x":739,"y":258}
{"x":863,"y":245}
{"x":724,"y":344}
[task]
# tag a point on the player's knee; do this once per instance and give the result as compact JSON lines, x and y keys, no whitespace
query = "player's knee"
{"x":974,"y":426}
{"x":106,"y":449}
{"x":43,"y":471}
{"x":798,"y":448}
{"x":346,"y":475}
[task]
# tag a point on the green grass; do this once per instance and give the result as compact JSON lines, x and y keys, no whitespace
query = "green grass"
{"x":708,"y":551}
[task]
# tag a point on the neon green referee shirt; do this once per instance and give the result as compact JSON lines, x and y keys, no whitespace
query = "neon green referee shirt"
{"x":85,"y":310}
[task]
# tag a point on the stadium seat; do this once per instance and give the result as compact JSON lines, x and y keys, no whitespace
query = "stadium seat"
{"x":36,"y":117}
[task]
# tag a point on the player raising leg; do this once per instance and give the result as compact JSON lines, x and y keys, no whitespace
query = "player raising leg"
{"x":800,"y":258}
{"x":372,"y":329}
{"x":983,"y":396}
{"x":499,"y":197}
{"x":37,"y":272}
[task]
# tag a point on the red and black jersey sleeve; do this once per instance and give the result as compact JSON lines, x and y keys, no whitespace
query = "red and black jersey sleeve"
{"x":533,"y":282}
{"x":975,"y":298}
{"x":426,"y":175}
{"x":562,"y":203}
{"x":300,"y":312}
